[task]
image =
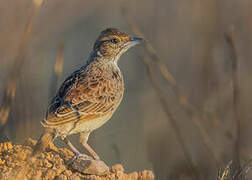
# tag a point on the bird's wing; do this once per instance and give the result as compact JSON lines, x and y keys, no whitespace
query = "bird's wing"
{"x":82,"y":97}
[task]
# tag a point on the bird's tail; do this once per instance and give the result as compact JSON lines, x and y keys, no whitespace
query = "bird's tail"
{"x":45,"y":139}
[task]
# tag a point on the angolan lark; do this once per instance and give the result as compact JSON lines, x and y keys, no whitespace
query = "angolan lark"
{"x":89,"y":96}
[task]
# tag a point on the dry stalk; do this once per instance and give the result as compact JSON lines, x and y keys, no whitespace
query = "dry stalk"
{"x":230,"y":174}
{"x":191,"y":110}
{"x":10,"y":90}
{"x":57,"y":70}
{"x":243,"y":171}
{"x":169,"y":115}
{"x":236,"y":98}
{"x":226,"y":173}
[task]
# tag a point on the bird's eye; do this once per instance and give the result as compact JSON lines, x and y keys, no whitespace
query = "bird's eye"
{"x":115,"y":40}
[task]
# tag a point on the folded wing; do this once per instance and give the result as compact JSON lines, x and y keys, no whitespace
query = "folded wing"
{"x":80,"y":99}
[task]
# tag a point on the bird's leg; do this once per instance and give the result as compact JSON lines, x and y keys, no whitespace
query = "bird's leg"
{"x":77,"y":153}
{"x":83,"y":139}
{"x":71,"y":146}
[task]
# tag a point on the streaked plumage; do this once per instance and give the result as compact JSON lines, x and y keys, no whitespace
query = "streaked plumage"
{"x":91,"y":92}
{"x":89,"y":96}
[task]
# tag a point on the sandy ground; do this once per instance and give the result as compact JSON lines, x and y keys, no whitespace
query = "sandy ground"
{"x":16,"y":162}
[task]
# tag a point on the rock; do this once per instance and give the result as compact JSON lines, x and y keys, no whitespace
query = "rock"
{"x":90,"y":166}
{"x":16,"y":162}
{"x":117,"y":167}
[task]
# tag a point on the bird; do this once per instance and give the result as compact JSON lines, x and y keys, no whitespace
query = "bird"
{"x":90,"y":95}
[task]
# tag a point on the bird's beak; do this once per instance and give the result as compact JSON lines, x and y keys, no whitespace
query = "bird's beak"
{"x":137,"y":39}
{"x":134,"y":41}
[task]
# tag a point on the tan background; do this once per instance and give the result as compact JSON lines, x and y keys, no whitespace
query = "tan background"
{"x":188,"y":36}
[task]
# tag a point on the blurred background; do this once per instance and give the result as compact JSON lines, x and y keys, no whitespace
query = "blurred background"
{"x":186,"y":110}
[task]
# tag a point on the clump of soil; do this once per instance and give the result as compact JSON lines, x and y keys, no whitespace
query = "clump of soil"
{"x":17,"y":162}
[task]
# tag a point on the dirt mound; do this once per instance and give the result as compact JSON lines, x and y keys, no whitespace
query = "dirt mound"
{"x":16,"y":162}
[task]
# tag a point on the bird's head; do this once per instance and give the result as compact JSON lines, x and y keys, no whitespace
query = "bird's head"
{"x":112,"y":43}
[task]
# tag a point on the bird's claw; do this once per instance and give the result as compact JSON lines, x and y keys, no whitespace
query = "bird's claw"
{"x":76,"y":156}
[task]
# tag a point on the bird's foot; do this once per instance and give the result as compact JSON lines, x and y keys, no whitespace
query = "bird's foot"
{"x":79,"y":155}
{"x":96,"y":157}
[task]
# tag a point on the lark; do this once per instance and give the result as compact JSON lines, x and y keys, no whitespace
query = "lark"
{"x":89,"y":96}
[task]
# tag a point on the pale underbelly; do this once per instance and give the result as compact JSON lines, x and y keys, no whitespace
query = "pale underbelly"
{"x":86,"y":126}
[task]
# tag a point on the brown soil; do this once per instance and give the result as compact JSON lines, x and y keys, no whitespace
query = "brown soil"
{"x":16,"y":162}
